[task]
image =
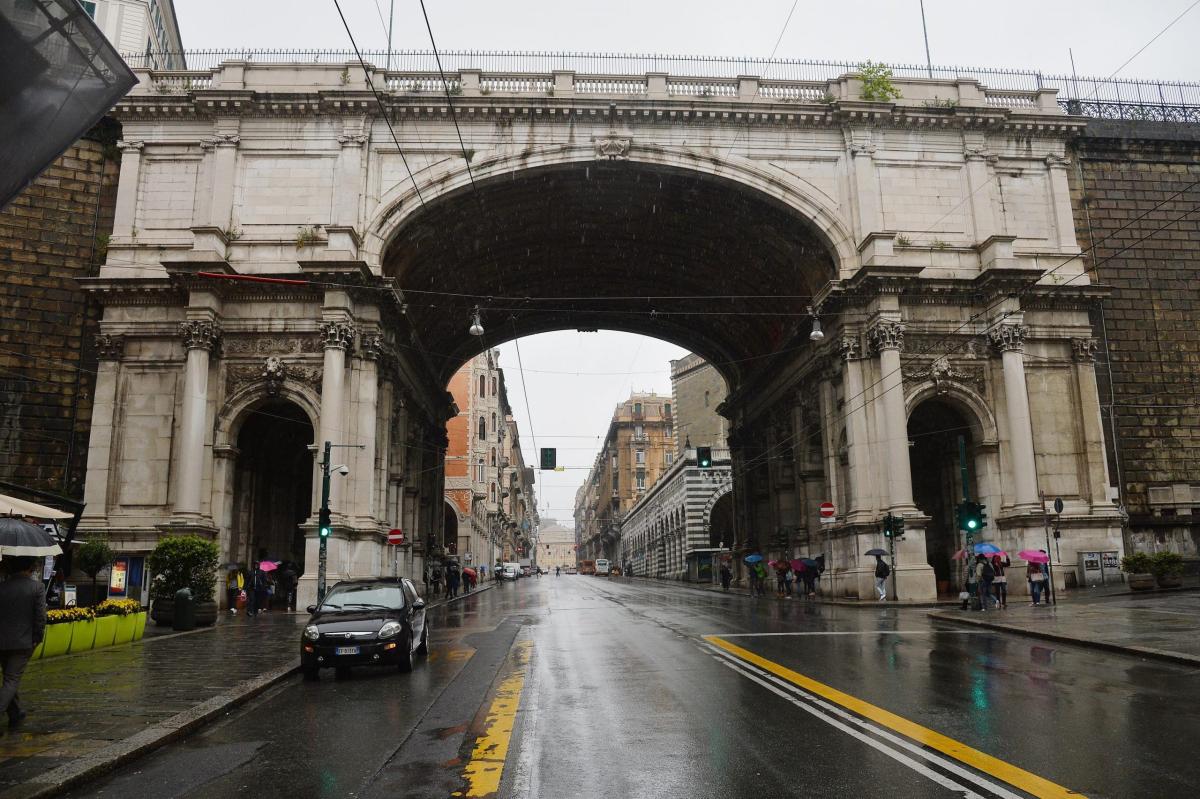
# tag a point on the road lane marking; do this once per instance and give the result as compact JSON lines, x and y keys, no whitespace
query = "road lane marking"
{"x":486,"y":766}
{"x":981,"y":761}
{"x":856,"y":632}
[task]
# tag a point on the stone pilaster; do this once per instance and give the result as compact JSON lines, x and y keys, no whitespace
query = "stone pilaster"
{"x":200,"y":338}
{"x":1008,"y":339}
{"x":887,"y":340}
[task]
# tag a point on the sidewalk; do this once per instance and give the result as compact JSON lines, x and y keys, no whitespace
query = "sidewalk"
{"x":797,"y":596}
{"x":1164,"y":625}
{"x":90,"y":712}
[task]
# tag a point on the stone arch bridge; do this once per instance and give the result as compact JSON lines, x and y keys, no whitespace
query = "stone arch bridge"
{"x":932,"y":234}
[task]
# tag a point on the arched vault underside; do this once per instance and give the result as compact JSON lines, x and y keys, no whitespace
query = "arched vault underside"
{"x":718,"y":267}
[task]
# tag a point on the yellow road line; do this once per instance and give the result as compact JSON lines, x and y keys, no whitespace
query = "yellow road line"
{"x":486,"y":766}
{"x":1013,"y":775}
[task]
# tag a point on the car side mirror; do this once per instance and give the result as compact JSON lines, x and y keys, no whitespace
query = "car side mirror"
{"x":311,"y":608}
{"x":418,"y":604}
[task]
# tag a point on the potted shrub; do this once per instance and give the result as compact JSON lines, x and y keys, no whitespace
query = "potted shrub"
{"x":1137,"y":568}
{"x":94,"y":556}
{"x":59,"y":626}
{"x":184,"y":561}
{"x":1167,"y":568}
{"x":116,"y":621}
{"x":83,"y":629}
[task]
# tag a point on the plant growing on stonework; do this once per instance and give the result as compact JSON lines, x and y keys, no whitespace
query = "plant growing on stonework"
{"x":938,"y":244}
{"x":877,"y":82}
{"x":903,"y":240}
{"x":307,"y":236}
{"x":94,"y":556}
{"x":184,"y":561}
{"x":827,"y":99}
{"x":345,"y":76}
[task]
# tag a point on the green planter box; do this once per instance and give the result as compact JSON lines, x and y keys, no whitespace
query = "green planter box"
{"x":126,"y":626}
{"x":106,"y":631}
{"x":57,"y":640}
{"x":37,"y":650}
{"x":83,"y":635}
{"x":140,"y":628}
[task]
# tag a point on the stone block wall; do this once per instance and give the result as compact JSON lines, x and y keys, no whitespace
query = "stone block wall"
{"x":1123,"y":171}
{"x":52,"y":233}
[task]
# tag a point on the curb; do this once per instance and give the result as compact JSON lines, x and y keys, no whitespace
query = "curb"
{"x":846,"y":603}
{"x":1120,"y":649}
{"x":58,"y":780}
{"x":89,"y":767}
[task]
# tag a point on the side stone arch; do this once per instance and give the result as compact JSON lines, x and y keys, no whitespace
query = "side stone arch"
{"x":973,"y":406}
{"x":706,"y":514}
{"x":244,"y":400}
{"x":398,"y":205}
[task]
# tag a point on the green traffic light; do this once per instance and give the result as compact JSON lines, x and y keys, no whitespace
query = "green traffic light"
{"x":972,"y":524}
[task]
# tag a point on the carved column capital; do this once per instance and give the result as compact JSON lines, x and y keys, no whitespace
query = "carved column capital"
{"x":850,"y":347}
{"x":199,"y":335}
{"x":130,"y":146}
{"x":352,"y":139}
{"x":1008,"y":337}
{"x":372,"y":346}
{"x":110,"y":347}
{"x":1084,"y":349}
{"x":338,"y":335}
{"x":227,"y":139}
{"x":1057,"y":161}
{"x":864,"y":148}
{"x":981,"y":153}
{"x":886,"y":334}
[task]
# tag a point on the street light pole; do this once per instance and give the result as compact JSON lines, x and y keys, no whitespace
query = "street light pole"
{"x":323,"y":557}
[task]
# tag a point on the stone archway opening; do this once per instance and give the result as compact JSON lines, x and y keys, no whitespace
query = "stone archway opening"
{"x":935,"y":428}
{"x":720,"y":523}
{"x":450,"y":532}
{"x":272,"y":485}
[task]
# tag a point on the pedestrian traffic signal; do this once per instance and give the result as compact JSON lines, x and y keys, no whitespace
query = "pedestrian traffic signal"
{"x":549,"y":458}
{"x":325,"y":524}
{"x":893,"y":526}
{"x":704,"y":457}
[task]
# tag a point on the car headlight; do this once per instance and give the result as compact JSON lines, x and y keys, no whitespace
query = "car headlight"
{"x":389,"y":629}
{"x":311,"y":632}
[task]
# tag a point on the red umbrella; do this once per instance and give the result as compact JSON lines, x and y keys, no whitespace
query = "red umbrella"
{"x":1033,"y":556}
{"x":469,"y":571}
{"x":797,"y":565}
{"x":268,"y":566}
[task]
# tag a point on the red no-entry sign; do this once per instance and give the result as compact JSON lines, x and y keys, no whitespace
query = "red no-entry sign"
{"x":827,"y":510}
{"x":395,"y":537}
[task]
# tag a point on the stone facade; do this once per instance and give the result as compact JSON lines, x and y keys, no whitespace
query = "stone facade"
{"x":697,"y":391}
{"x":936,"y":243}
{"x":637,"y":450}
{"x":669,"y":533}
{"x":555,"y":545}
{"x":1134,"y":190}
{"x":54,"y":232}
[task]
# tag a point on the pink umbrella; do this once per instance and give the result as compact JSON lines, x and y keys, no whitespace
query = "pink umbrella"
{"x":797,"y":565}
{"x":267,"y":566}
{"x":1033,"y":556}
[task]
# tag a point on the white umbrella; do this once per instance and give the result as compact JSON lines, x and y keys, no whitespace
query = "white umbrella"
{"x":11,"y":506}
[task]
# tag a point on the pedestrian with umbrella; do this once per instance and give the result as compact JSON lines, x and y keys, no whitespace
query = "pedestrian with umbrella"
{"x":726,"y":576}
{"x":1034,"y":573}
{"x":882,"y":572}
{"x":22,"y":605}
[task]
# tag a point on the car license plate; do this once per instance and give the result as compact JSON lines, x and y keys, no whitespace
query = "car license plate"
{"x":347,"y":650}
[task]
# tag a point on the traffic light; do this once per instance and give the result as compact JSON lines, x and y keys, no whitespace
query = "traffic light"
{"x":971,"y":517}
{"x":893,"y":526}
{"x":325,"y":524}
{"x":704,"y":457}
{"x":549,"y":458}
{"x":887,"y":526}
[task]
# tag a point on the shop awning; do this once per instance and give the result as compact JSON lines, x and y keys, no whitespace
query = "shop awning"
{"x":11,"y":506}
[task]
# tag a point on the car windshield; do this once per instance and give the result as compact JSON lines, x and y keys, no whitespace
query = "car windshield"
{"x":365,"y":596}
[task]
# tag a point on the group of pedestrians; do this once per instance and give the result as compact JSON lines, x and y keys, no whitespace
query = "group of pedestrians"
{"x":786,"y":578}
{"x":988,"y":581}
{"x":261,"y":590}
{"x":455,"y":577}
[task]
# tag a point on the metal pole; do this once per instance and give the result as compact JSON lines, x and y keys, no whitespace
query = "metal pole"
{"x":892,"y":548}
{"x":966,"y":491}
{"x":925,"y":30}
{"x":391,"y":15}
{"x":1049,"y":560}
{"x":324,"y":545}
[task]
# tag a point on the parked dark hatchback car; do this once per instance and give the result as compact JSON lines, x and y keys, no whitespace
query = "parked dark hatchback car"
{"x":365,"y":623}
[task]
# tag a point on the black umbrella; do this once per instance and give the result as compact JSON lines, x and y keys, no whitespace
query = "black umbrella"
{"x":20,"y":538}
{"x":877,"y":552}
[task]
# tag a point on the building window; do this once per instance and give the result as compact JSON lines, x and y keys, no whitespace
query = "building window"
{"x":616,"y":482}
{"x":494,"y":384}
{"x":89,"y":8}
{"x":637,"y":407}
{"x":640,"y":456}
{"x":666,"y":409}
{"x":670,"y":458}
{"x":641,"y":479}
{"x":479,"y":471}
{"x":492,"y":492}
{"x":614,"y":461}
{"x":705,"y":399}
{"x":482,"y":385}
{"x":493,"y":456}
{"x":493,"y":422}
{"x":482,"y":428}
{"x":638,"y":431}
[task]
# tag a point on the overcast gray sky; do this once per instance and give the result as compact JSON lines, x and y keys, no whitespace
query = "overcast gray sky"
{"x":571,"y":411}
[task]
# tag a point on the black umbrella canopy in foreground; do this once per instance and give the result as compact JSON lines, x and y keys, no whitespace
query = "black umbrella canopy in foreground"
{"x":21,"y":538}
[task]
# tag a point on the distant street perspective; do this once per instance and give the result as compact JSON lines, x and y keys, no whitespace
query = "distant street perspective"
{"x":393,"y":407}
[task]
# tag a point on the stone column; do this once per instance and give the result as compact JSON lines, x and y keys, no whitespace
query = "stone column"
{"x":224,"y":172}
{"x":1095,"y":460}
{"x":364,"y":477}
{"x":1060,"y":198}
{"x":338,"y":339}
{"x":866,"y":186}
{"x":887,"y":339}
{"x":109,"y":349}
{"x":126,"y":207}
{"x":978,"y":159}
{"x":860,"y":493}
{"x":199,"y":339}
{"x":829,"y":445}
{"x":1009,"y":340}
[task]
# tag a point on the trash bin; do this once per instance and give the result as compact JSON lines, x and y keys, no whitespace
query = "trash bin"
{"x":184,"y":617}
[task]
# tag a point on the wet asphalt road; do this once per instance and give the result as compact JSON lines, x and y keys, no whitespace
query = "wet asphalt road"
{"x":623,"y":697}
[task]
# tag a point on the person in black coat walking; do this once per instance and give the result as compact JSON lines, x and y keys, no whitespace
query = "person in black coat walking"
{"x":22,"y":625}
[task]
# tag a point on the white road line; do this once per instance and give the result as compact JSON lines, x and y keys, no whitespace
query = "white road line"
{"x":858,"y":632}
{"x":802,"y":699}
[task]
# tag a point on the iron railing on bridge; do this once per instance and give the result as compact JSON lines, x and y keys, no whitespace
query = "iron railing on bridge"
{"x":1108,"y":98}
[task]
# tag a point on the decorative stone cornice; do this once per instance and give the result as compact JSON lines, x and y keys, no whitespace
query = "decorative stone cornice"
{"x":612,"y":147}
{"x":850,"y":347}
{"x":862,"y":148}
{"x":338,"y":335}
{"x":1084,"y":349}
{"x":199,"y":335}
{"x":110,"y":347}
{"x":980,"y":154}
{"x":1008,"y":337}
{"x":886,"y":334}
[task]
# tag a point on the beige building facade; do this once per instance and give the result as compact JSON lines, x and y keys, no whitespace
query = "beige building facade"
{"x":697,"y":391}
{"x":555,"y":546}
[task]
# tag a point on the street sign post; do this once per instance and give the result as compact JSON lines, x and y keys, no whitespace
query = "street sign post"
{"x":828,"y":513}
{"x":395,"y":537}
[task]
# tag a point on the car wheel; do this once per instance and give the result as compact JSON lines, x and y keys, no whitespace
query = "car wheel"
{"x":406,"y":657}
{"x":342,"y":672}
{"x":423,"y":647}
{"x":311,"y":673}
